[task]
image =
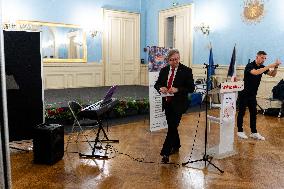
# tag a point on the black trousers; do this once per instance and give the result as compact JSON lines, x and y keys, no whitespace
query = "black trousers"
{"x":172,"y":140}
{"x":250,"y":102}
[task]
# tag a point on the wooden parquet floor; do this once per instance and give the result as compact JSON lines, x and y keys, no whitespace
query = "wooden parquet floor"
{"x":257,"y":164}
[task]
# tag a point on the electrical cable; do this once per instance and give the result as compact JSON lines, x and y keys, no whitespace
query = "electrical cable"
{"x":142,"y":160}
{"x":114,"y":150}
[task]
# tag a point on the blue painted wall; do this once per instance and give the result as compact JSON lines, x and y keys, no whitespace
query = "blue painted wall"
{"x":228,"y":28}
{"x":81,"y":12}
{"x":225,"y":17}
{"x":232,"y":29}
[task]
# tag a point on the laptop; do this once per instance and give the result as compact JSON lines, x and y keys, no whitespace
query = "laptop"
{"x":107,"y":98}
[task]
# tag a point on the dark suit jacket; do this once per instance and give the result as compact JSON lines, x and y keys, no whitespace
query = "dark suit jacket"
{"x":183,"y":81}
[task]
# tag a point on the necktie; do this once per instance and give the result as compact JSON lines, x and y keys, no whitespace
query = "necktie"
{"x":170,"y":83}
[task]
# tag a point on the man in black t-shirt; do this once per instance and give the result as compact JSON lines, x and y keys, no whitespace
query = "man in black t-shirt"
{"x":252,"y":77}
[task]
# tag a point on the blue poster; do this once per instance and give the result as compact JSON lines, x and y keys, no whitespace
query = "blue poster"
{"x":156,"y":58}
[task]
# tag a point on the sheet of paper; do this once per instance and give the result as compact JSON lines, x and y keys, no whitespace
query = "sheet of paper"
{"x":167,"y":94}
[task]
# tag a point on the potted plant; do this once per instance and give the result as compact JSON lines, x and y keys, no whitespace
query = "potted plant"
{"x":143,"y":106}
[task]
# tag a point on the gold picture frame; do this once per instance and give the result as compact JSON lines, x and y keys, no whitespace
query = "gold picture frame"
{"x":73,"y":51}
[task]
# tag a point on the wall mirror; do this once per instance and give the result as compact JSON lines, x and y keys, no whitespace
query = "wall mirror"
{"x":60,"y":42}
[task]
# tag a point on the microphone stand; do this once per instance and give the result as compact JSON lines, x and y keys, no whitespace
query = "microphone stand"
{"x":206,"y":158}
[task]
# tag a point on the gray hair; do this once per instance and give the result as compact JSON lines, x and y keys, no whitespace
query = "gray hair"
{"x":170,"y":53}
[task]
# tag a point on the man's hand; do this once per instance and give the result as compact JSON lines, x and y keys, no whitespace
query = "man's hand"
{"x":173,"y":90}
{"x":164,"y":90}
{"x":275,"y":64}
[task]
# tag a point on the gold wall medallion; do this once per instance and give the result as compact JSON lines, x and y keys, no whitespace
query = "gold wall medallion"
{"x":253,"y":11}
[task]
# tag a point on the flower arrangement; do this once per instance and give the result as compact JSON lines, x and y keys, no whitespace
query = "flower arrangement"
{"x":53,"y":112}
{"x":128,"y":106}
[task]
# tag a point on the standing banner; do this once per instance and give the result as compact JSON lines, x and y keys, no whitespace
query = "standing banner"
{"x":156,"y":60}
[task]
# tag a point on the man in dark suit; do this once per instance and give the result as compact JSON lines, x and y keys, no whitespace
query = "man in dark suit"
{"x":175,"y":79}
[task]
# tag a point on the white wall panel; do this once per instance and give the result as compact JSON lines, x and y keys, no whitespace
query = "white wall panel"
{"x":72,"y":75}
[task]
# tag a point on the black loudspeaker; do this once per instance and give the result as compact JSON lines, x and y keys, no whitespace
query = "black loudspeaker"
{"x":48,"y":144}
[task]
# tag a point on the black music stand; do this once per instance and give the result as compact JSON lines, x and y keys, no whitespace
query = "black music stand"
{"x":206,"y":158}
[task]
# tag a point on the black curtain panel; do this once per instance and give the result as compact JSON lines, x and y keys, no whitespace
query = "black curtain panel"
{"x":24,"y":83}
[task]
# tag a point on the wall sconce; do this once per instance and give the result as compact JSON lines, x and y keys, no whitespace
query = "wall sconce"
{"x":93,"y":33}
{"x":205,"y":29}
{"x":175,"y":4}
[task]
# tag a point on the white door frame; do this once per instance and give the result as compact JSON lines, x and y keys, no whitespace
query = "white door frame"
{"x":187,"y":12}
{"x":126,"y":69}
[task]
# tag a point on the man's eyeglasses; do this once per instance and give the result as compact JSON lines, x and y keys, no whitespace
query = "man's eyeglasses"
{"x":174,"y":59}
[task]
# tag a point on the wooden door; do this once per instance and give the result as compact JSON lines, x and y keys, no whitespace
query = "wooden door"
{"x":121,"y":48}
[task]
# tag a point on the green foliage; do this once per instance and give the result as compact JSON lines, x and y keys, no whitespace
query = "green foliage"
{"x":143,"y":105}
{"x":132,"y":104}
{"x":120,"y":108}
{"x":56,"y":112}
{"x":128,"y":104}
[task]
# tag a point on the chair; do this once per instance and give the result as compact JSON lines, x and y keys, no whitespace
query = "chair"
{"x":79,"y":122}
{"x":274,"y":103}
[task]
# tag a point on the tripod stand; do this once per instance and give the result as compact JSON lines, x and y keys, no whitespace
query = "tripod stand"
{"x":206,"y":158}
